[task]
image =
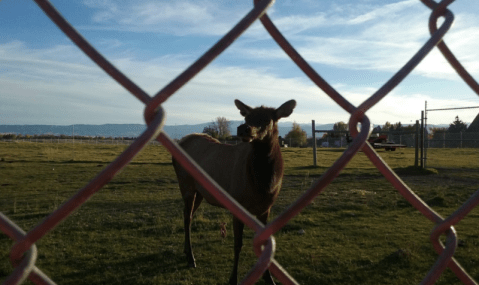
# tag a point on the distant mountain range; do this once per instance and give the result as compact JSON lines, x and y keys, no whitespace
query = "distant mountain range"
{"x":134,"y":130}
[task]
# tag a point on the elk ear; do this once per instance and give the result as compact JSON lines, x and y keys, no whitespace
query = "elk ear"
{"x":285,"y":110}
{"x":244,"y":109}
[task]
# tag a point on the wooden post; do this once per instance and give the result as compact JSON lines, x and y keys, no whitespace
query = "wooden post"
{"x":314,"y":143}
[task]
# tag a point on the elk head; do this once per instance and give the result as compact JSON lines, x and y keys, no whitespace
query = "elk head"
{"x":261,"y":122}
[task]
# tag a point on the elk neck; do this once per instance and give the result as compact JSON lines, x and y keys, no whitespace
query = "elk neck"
{"x":267,"y":163}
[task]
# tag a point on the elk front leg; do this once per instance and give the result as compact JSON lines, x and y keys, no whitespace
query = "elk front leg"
{"x":238,"y":227}
{"x":192,"y":202}
{"x":267,"y":275}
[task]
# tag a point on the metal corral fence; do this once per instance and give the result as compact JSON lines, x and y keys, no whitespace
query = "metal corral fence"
{"x":453,"y":140}
{"x":24,"y":253}
{"x":408,"y":139}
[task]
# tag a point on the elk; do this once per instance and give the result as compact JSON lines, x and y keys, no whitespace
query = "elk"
{"x":251,"y":172}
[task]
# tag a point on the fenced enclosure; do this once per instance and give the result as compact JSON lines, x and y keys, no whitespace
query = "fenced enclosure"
{"x":457,"y":134}
{"x":24,"y":253}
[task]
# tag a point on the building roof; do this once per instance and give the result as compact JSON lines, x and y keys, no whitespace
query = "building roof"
{"x":474,"y":126}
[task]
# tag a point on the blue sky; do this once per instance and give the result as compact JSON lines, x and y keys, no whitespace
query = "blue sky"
{"x":355,"y":45}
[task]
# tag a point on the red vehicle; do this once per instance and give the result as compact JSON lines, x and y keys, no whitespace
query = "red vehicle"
{"x":382,"y":142}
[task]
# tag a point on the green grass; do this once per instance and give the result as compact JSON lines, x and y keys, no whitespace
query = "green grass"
{"x":358,"y":230}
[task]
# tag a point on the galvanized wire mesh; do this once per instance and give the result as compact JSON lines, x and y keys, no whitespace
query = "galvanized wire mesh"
{"x":23,"y":253}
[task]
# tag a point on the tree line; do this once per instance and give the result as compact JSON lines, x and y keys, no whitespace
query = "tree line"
{"x":457,"y":126}
{"x":219,"y":129}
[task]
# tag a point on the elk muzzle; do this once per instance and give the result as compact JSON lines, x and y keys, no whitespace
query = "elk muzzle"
{"x":244,"y":131}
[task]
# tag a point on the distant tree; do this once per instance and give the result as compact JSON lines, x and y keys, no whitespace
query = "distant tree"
{"x":377,"y":129}
{"x":223,"y":126}
{"x":219,"y":129}
{"x":397,"y":127}
{"x":339,"y":127}
{"x":387,"y":127}
{"x":211,"y":130}
{"x":10,"y":136}
{"x":409,"y":128}
{"x":457,"y":126}
{"x":297,"y":136}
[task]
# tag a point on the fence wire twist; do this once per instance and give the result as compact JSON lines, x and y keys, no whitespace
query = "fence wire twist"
{"x":23,"y":254}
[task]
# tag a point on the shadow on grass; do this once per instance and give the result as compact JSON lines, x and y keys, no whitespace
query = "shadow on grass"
{"x":331,"y":149}
{"x":127,"y":271}
{"x":308,"y":167}
{"x":392,"y":267}
{"x":412,"y":170}
{"x":72,"y":161}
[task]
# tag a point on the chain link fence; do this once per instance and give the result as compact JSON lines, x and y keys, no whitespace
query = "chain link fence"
{"x":453,"y":140}
{"x":24,"y":253}
{"x":407,"y":139}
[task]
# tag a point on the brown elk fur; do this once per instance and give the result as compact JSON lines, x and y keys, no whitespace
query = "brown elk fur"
{"x":251,"y":172}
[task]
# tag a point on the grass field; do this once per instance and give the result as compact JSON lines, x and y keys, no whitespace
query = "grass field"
{"x":358,"y":231}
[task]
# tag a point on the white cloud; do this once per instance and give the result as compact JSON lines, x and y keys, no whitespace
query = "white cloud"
{"x":158,"y":13}
{"x":168,"y":17}
{"x":81,"y":93}
{"x":59,"y":91}
{"x":59,"y":84}
{"x":406,"y":108}
{"x":386,"y":11}
{"x":384,"y":39}
{"x":108,"y":9}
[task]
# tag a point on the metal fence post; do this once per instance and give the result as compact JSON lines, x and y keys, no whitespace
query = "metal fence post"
{"x":416,"y":146}
{"x":314,"y":143}
{"x":422,"y":139}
